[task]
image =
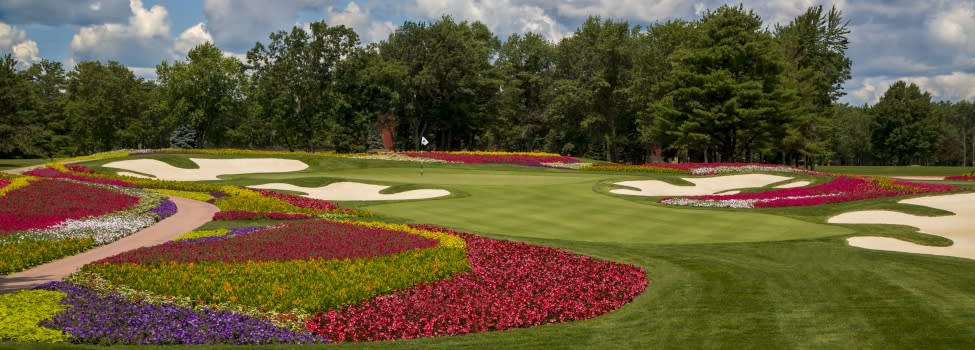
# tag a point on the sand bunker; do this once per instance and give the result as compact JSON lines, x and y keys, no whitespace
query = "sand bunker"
{"x":702,"y":185}
{"x":209,"y":169}
{"x":353,"y":191}
{"x":959,"y":228}
{"x":794,"y":184}
{"x":920,"y":178}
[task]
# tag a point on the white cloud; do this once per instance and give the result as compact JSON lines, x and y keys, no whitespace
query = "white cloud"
{"x":144,"y":40}
{"x":952,"y":86}
{"x":368,"y":28}
{"x":503,"y":17}
{"x":238,"y":24}
{"x":148,"y":73}
{"x":190,"y":38}
{"x":15,"y":41}
{"x":954,"y":25}
{"x":27,"y":52}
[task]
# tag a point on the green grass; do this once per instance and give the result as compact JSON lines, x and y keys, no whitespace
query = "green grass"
{"x":897,"y":170}
{"x":19,"y":163}
{"x":759,"y":279}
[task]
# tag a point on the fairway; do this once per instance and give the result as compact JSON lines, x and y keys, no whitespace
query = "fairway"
{"x":574,"y":211}
{"x":539,"y":202}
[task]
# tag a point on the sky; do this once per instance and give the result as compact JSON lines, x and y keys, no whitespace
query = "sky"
{"x":928,"y":42}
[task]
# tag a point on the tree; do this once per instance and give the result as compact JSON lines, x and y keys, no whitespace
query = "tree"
{"x":598,"y":61}
{"x":905,"y":130}
{"x":295,"y":82}
{"x":450,"y":80}
{"x":20,"y":130}
{"x":372,"y":88}
{"x":104,"y":106}
{"x":725,"y":96}
{"x":651,"y":68}
{"x":48,"y":81}
{"x":814,"y":44}
{"x":526,"y":66}
{"x":850,"y":134}
{"x":205,"y":92}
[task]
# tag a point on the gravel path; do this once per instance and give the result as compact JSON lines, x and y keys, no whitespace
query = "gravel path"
{"x":190,"y":215}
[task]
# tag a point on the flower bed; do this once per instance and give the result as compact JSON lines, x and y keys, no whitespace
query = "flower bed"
{"x":646,"y":168}
{"x":840,"y":189}
{"x":317,"y":265}
{"x":113,"y":319}
{"x":961,"y":178}
{"x":256,"y":215}
{"x":291,"y":241}
{"x":700,"y":168}
{"x":14,"y":183}
{"x":215,"y":235}
{"x":520,"y":158}
{"x":20,"y":313}
{"x":48,"y":202}
{"x":301,"y":202}
{"x":164,"y":210}
{"x":55,"y":174}
{"x":23,"y":249}
{"x":511,"y":285}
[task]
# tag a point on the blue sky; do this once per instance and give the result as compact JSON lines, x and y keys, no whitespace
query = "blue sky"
{"x":928,"y":42}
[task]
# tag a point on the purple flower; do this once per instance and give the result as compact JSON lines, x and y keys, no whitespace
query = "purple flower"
{"x":243,"y":230}
{"x":236,"y":231}
{"x":165,"y":209}
{"x":113,"y":319}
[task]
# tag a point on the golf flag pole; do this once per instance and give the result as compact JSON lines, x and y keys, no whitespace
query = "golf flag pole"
{"x":424,"y":143}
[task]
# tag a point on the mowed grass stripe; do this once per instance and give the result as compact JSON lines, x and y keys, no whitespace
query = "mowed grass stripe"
{"x":574,"y":212}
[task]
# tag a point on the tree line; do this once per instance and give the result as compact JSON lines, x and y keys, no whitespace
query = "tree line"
{"x":725,"y":87}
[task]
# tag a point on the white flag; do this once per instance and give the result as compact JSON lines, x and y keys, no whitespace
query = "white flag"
{"x":423,"y":141}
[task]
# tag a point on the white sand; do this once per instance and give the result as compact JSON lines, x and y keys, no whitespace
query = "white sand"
{"x":794,"y":184}
{"x":209,"y":169}
{"x":702,"y":185}
{"x":960,"y":228}
{"x":353,"y":191}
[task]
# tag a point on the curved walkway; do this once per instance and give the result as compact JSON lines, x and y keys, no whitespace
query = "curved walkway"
{"x":190,"y":214}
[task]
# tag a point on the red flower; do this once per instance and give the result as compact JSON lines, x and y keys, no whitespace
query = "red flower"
{"x":295,"y":240}
{"x":511,"y":285}
{"x":45,"y":203}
